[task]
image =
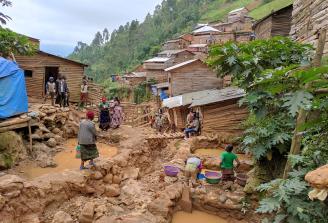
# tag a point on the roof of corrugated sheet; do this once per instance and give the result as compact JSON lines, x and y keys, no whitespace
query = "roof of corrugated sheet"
{"x":205,"y":97}
{"x":181,"y":64}
{"x":170,"y":52}
{"x":186,"y":99}
{"x":198,"y":45}
{"x":162,"y":85}
{"x":206,"y":29}
{"x":136,"y":74}
{"x":236,"y":10}
{"x":219,"y":96}
{"x":158,"y":59}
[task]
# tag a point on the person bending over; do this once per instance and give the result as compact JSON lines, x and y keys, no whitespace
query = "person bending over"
{"x":227,"y":159}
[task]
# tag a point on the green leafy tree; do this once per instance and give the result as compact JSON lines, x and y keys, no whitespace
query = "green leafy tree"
{"x":11,"y":42}
{"x":277,"y":88}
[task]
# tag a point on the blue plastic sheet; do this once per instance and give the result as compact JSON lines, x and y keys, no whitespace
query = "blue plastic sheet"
{"x":13,"y":96}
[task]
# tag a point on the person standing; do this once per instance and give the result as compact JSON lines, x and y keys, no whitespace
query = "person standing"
{"x":84,"y":94}
{"x":87,"y":140}
{"x":117,"y":113}
{"x":50,"y":90}
{"x":62,"y":92}
{"x":227,"y":159}
{"x":104,"y":118}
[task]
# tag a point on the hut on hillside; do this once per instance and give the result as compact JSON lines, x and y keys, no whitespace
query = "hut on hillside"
{"x":200,"y":50}
{"x":39,"y":67}
{"x":204,"y":35}
{"x":134,"y":78}
{"x":308,"y":18}
{"x":178,"y":106}
{"x":220,"y":113}
{"x":192,"y":75}
{"x":181,"y":42}
{"x":155,"y":67}
{"x":178,"y":56}
{"x":277,"y":23}
{"x":237,"y":14}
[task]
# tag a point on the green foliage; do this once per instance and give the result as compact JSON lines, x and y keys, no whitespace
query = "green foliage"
{"x":266,"y":9}
{"x":11,"y":42}
{"x":113,"y":89}
{"x":246,"y":61}
{"x":141,"y":93}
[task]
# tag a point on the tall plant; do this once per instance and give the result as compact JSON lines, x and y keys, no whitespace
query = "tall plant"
{"x":278,"y":86}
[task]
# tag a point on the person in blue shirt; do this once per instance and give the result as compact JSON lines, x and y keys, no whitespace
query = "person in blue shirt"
{"x":163,"y":95}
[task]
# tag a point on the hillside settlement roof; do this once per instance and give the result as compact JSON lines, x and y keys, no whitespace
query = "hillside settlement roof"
{"x":236,"y":10}
{"x":219,"y":96}
{"x":198,"y":45}
{"x":136,"y":74}
{"x":171,"y":52}
{"x":158,"y":60}
{"x":181,"y":65}
{"x":186,"y":99}
{"x":206,"y":29}
{"x":62,"y":58}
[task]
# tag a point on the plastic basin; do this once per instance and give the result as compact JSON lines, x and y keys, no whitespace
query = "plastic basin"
{"x":213,"y":177}
{"x":171,"y":171}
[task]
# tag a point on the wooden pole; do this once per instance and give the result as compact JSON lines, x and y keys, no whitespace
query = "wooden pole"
{"x":301,"y":118}
{"x":30,"y":136}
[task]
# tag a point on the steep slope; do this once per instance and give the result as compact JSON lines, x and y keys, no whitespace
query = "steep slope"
{"x":132,"y":43}
{"x":266,"y":9}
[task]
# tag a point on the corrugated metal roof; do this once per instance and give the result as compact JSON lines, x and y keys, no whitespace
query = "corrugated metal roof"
{"x":205,"y":29}
{"x":181,"y":64}
{"x":171,"y":52}
{"x":197,"y":45}
{"x":219,"y":95}
{"x":236,"y":10}
{"x":158,"y":60}
{"x":162,"y":85}
{"x":186,"y":99}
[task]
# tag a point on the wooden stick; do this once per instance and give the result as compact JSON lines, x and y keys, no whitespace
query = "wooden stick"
{"x":30,"y":136}
{"x":297,"y":138}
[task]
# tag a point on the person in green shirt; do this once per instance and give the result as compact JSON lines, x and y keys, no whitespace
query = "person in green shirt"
{"x":227,"y":159}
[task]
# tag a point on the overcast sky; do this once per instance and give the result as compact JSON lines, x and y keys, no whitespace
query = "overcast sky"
{"x":59,"y":24}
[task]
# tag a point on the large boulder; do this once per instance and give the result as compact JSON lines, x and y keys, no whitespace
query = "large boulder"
{"x":12,"y":149}
{"x":87,"y":213}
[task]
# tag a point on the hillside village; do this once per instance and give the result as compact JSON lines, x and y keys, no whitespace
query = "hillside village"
{"x":141,"y":174}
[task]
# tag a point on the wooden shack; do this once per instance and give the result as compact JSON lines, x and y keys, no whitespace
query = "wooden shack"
{"x":277,"y":23}
{"x":134,"y":78}
{"x":178,"y":56}
{"x":220,"y":113}
{"x":180,"y":43}
{"x":192,"y":75}
{"x":237,"y":14}
{"x":39,"y":67}
{"x":155,"y":67}
{"x":178,"y":106}
{"x":308,"y":18}
{"x":204,"y":35}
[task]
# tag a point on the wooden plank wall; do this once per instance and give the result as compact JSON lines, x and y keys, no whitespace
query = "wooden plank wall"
{"x":223,"y":118}
{"x":159,"y":75}
{"x":37,"y":63}
{"x":308,"y":17}
{"x":193,"y":77}
{"x":182,"y":57}
{"x":281,"y":22}
{"x":180,"y":116}
{"x":95,"y":93}
{"x":263,"y":29}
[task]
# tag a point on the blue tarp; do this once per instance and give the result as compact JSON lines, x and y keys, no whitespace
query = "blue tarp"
{"x":13,"y":96}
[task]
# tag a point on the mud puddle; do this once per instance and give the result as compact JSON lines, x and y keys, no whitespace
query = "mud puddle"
{"x":65,"y":160}
{"x":196,"y":217}
{"x":216,"y":152}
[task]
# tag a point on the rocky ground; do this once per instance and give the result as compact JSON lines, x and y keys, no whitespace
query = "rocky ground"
{"x":130,"y":187}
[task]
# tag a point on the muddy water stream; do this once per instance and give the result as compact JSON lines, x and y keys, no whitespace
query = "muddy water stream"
{"x":216,"y":152}
{"x":196,"y":217}
{"x":66,"y":160}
